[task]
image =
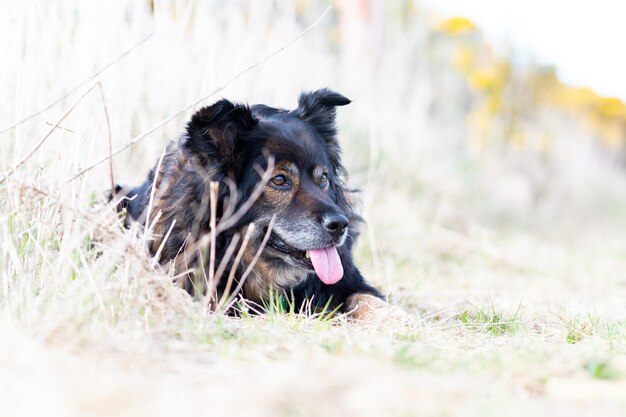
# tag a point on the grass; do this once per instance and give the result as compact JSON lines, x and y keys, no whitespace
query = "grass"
{"x":579,"y":328}
{"x":489,"y":320}
{"x":602,"y":369}
{"x":510,"y":271}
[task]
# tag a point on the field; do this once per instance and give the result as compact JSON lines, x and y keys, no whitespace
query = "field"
{"x":495,"y":219}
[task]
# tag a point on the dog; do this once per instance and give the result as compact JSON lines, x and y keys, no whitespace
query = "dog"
{"x":281,"y":188}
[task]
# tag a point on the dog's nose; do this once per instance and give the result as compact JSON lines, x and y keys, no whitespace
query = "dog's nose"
{"x":336,"y":224}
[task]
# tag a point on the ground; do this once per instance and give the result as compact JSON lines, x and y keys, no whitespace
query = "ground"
{"x":509,"y":261}
{"x":490,"y":330}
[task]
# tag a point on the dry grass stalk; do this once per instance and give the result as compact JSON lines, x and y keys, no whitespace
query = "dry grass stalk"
{"x":110,"y":139}
{"x":47,"y":135}
{"x":211,"y":284}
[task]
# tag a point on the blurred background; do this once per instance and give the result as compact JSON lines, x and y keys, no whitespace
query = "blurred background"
{"x":483,"y":134}
{"x":488,"y":139}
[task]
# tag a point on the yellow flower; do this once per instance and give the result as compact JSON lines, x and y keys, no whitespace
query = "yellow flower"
{"x":612,"y":107}
{"x":457,"y":26}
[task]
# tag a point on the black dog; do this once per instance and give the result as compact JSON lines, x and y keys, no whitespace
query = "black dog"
{"x":308,"y":250}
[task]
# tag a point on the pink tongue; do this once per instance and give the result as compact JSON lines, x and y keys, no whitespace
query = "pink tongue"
{"x":327,"y":264}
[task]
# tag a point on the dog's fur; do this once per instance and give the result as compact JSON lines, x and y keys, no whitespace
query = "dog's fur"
{"x":232,"y":144}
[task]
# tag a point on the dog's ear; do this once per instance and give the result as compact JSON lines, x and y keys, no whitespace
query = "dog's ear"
{"x":212,"y":131}
{"x":318,"y":109}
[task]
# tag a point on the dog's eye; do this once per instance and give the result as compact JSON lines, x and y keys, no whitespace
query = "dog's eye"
{"x":279,"y":180}
{"x":324,"y":181}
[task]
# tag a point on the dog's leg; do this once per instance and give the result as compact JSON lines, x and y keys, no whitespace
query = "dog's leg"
{"x":366,"y":307}
{"x":363,"y":306}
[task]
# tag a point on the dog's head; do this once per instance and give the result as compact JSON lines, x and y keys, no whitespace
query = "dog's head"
{"x":305,"y":191}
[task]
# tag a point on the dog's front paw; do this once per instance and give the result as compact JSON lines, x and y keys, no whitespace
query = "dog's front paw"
{"x":366,"y":307}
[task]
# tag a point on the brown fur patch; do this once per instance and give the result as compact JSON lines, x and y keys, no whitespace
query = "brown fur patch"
{"x":174,"y":209}
{"x":282,"y":198}
{"x":266,"y":275}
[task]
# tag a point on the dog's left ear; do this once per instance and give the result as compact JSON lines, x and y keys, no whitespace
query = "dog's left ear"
{"x":318,"y":109}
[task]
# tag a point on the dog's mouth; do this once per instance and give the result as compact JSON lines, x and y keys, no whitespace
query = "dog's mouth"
{"x":324,"y":261}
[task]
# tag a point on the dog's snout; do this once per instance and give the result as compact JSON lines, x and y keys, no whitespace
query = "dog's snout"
{"x":335,"y":223}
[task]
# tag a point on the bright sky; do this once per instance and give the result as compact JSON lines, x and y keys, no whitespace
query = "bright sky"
{"x":585,"y":40}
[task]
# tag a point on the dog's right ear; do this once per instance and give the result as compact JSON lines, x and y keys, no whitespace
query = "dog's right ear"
{"x":318,"y":109}
{"x":213,"y":130}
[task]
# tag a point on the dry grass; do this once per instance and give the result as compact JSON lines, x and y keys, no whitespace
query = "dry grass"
{"x":510,"y":266}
